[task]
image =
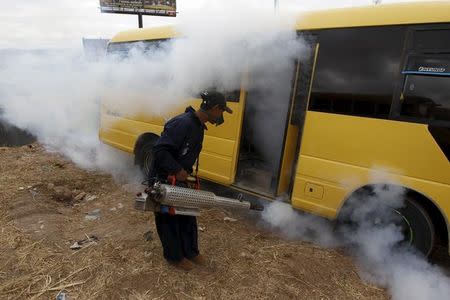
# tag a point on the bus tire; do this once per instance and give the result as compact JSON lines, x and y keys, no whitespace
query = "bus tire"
{"x":143,"y":155}
{"x":415,"y":222}
{"x":417,"y":226}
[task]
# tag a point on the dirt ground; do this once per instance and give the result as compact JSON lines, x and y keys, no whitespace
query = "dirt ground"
{"x":40,"y":219}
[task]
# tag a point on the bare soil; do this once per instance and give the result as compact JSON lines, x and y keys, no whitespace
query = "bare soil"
{"x":40,"y":219}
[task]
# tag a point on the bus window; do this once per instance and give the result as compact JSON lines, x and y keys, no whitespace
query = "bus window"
{"x":426,"y":97}
{"x":426,"y":92}
{"x":304,"y":79}
{"x":434,"y":40}
{"x":122,"y":50}
{"x":356,"y":70}
{"x":232,"y":96}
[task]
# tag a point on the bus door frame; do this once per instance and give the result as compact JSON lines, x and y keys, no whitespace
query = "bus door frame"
{"x":299,"y":109}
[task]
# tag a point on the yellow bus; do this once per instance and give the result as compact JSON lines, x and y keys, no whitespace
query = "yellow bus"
{"x":374,"y":92}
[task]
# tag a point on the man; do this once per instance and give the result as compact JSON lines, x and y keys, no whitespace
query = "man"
{"x":175,"y":152}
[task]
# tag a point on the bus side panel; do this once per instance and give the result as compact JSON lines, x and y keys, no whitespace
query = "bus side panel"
{"x":122,"y":133}
{"x":340,"y":153}
{"x":218,"y":158}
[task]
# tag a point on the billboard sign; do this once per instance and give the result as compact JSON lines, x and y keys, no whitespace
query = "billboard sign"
{"x":142,"y":7}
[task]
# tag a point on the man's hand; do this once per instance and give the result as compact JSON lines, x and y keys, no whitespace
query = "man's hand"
{"x":182,"y":175}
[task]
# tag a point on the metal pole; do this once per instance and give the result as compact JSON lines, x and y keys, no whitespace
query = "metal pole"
{"x":140,"y":21}
{"x":275,"y":4}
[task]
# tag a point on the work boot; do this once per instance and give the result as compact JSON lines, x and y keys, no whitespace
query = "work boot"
{"x":199,"y":260}
{"x":183,"y":264}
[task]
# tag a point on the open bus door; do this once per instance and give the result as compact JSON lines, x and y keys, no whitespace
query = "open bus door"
{"x":218,"y":158}
{"x":299,"y":105}
{"x":271,"y":128}
{"x":302,"y":190}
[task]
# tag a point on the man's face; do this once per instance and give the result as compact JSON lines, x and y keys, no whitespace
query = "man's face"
{"x":215,"y":113}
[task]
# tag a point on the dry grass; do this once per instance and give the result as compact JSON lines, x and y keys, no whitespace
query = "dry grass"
{"x":244,"y":261}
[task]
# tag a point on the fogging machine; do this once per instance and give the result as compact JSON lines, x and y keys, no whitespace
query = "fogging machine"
{"x":175,"y":200}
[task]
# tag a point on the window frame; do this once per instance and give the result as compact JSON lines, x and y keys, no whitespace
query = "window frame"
{"x":303,"y":86}
{"x":397,"y":77}
{"x":158,"y":41}
{"x":423,"y":120}
{"x":408,"y":52}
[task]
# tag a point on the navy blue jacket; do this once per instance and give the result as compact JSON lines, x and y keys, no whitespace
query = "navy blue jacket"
{"x":179,"y":145}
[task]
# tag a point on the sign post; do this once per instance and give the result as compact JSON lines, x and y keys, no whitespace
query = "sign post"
{"x":140,"y":20}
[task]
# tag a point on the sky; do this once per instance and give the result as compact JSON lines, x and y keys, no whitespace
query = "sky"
{"x":29,"y":24}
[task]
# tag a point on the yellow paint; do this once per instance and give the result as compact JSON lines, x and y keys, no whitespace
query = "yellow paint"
{"x":377,"y":15}
{"x":314,"y":190}
{"x":218,"y":159}
{"x":287,"y":166}
{"x":341,"y":153}
{"x":290,"y":145}
{"x":424,"y":12}
{"x":153,"y":33}
{"x":374,"y":15}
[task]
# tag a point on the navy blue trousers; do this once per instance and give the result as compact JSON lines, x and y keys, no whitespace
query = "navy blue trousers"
{"x":178,"y":235}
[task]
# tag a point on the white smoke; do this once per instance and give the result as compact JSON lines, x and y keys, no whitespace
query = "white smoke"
{"x":372,"y":238}
{"x":56,"y":95}
{"x":290,"y":223}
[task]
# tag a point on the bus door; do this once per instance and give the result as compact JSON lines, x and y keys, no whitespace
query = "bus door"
{"x":298,"y":187}
{"x":269,"y":135}
{"x":299,"y":104}
{"x":218,"y":159}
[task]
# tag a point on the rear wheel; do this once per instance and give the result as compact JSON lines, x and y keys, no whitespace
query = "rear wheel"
{"x":143,"y":155}
{"x":417,"y":227}
{"x":412,"y":219}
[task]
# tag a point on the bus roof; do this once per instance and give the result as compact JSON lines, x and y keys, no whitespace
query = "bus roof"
{"x":374,"y":15}
{"x":151,"y":33}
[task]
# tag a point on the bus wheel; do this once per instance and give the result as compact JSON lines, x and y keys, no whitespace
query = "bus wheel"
{"x":143,"y":155}
{"x":413,"y":220}
{"x":417,"y":227}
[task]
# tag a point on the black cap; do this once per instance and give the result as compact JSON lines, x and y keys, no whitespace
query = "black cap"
{"x":212,"y":98}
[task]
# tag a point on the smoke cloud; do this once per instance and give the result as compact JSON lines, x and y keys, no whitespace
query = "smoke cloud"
{"x":371,"y":236}
{"x":57,"y":94}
